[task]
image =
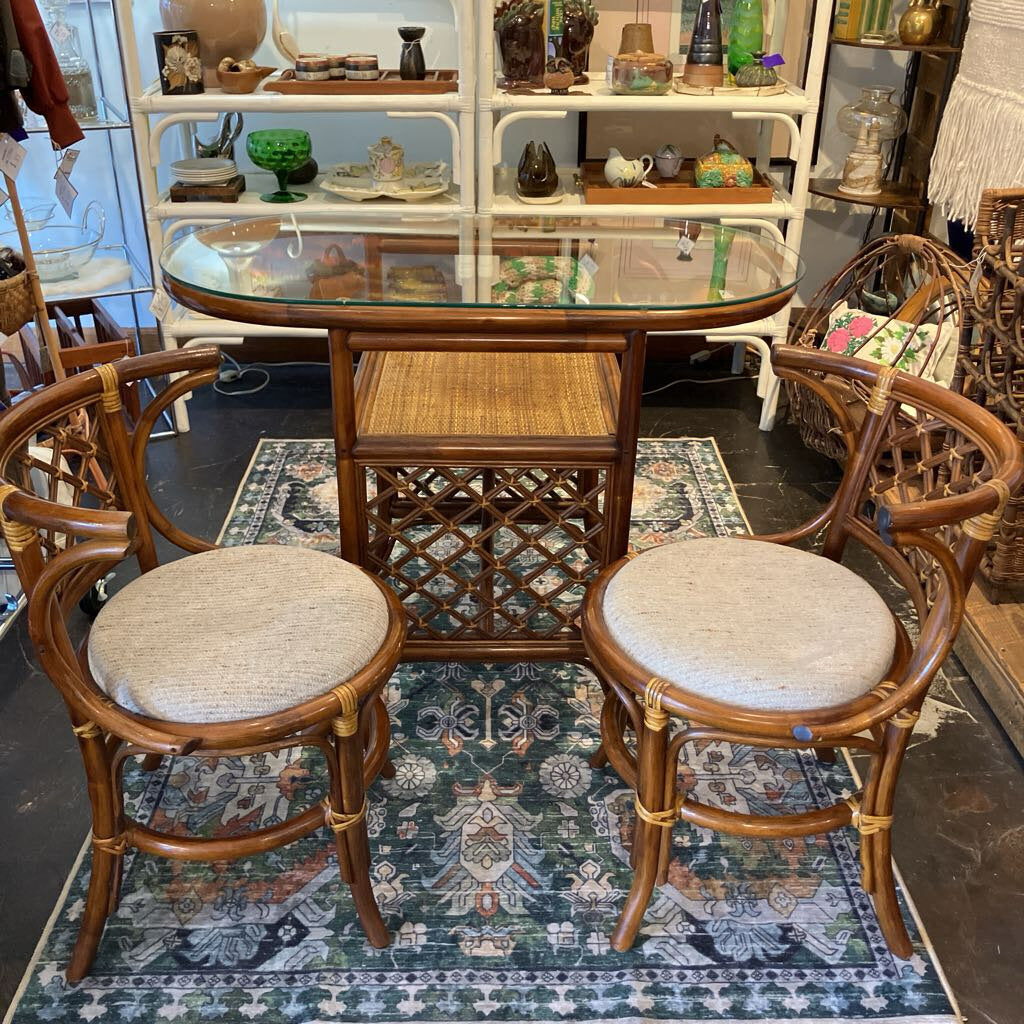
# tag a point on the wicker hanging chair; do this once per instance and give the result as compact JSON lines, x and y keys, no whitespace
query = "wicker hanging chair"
{"x":899,"y":301}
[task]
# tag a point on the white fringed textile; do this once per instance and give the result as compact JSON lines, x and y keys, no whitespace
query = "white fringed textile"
{"x":981,"y":140}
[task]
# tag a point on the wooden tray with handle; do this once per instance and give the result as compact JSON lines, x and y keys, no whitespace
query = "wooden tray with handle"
{"x":390,"y":83}
{"x":681,"y":189}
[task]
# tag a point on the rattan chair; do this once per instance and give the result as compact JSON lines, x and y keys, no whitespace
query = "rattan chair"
{"x":758,"y":642}
{"x":226,"y":651}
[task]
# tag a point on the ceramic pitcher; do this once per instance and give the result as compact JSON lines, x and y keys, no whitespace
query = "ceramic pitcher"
{"x":622,"y":173}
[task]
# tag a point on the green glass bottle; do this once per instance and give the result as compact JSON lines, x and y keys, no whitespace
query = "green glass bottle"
{"x":746,"y":33}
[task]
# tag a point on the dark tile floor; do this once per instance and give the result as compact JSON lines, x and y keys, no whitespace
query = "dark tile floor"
{"x":959,"y":832}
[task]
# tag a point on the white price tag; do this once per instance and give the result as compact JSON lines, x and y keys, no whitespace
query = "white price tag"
{"x":589,"y":264}
{"x":66,"y":193}
{"x":12,"y":156}
{"x":67,"y":163}
{"x":685,"y":245}
{"x":161,"y":304}
{"x":979,"y":269}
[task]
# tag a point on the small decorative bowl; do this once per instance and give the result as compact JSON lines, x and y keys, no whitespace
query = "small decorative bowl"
{"x":641,"y":74}
{"x":241,"y":76}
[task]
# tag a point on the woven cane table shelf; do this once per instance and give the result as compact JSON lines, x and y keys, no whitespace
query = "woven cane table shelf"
{"x":486,"y":447}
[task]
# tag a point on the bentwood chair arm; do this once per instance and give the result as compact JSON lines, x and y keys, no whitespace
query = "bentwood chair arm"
{"x":110,"y":525}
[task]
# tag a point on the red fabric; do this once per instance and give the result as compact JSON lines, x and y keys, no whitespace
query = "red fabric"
{"x":46,"y":93}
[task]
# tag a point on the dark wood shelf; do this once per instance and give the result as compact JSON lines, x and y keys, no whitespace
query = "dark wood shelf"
{"x":892,"y":197}
{"x":930,"y":48}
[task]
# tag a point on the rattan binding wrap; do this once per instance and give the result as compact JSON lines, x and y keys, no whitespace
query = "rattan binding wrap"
{"x":992,"y":366}
{"x":902,"y":277}
{"x":511,"y":394}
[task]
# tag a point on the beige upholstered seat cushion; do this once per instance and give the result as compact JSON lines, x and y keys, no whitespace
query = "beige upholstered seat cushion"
{"x":751,"y":623}
{"x":235,"y":633}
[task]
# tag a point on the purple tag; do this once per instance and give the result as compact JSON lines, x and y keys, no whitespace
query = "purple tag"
{"x":773,"y":60}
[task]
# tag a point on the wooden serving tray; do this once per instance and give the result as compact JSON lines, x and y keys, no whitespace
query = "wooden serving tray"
{"x":680,"y":189}
{"x":390,"y":83}
{"x":226,"y":193}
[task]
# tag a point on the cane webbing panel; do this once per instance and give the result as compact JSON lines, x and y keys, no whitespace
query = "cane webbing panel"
{"x":508,"y":394}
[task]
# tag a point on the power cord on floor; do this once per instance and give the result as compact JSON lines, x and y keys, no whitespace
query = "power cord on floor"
{"x":236,"y":372}
{"x":698,"y":380}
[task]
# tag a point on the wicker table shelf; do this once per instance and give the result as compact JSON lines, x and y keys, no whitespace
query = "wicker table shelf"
{"x":485,"y":450}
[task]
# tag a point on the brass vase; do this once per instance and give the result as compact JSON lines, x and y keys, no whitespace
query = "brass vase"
{"x":920,"y":23}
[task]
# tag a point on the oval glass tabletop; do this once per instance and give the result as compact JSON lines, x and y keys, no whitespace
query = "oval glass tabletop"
{"x":473,"y":260}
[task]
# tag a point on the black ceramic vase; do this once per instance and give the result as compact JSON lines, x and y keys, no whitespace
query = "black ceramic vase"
{"x":706,"y":41}
{"x":411,"y":65}
{"x":578,"y":20}
{"x":520,"y":28}
{"x":537,"y":175}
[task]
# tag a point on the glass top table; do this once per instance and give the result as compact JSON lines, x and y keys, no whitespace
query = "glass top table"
{"x":632,"y":272}
{"x":485,"y":446}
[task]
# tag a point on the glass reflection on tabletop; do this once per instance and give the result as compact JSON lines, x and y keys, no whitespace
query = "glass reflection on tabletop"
{"x":450,"y":260}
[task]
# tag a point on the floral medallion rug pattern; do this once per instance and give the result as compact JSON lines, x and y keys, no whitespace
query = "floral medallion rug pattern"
{"x":500,"y":857}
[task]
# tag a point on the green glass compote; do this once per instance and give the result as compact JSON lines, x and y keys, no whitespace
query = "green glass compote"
{"x":280,"y":150}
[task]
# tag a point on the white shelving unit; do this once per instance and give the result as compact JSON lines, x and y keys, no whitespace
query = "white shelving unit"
{"x":783,"y":218}
{"x":153,"y":115}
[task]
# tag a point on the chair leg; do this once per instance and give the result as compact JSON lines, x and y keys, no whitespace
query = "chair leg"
{"x":878,"y":800}
{"x":646,"y":836}
{"x":349,"y":826}
{"x":151,"y":762}
{"x":107,"y":851}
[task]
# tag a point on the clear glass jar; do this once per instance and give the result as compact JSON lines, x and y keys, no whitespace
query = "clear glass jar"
{"x":874,"y":109}
{"x":67,"y":47}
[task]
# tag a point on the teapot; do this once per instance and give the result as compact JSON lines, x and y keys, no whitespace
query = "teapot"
{"x":622,"y":173}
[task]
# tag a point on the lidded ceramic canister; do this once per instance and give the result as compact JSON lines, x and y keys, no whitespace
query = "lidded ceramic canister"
{"x":361,"y":67}
{"x":312,"y":67}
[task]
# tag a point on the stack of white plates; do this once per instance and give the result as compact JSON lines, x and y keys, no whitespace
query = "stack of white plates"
{"x":204,"y":171}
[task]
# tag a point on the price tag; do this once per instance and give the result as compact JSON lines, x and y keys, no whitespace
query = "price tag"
{"x":685,"y":245}
{"x":12,"y":156}
{"x":979,"y":269}
{"x":3,"y":197}
{"x":589,"y":264}
{"x":161,"y":304}
{"x":67,"y":163}
{"x":66,"y":193}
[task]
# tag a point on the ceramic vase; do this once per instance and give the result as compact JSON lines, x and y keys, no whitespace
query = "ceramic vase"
{"x":704,"y":57}
{"x":537,"y":175}
{"x":411,"y":65}
{"x":578,"y":20}
{"x":177,"y":62}
{"x":226,"y":28}
{"x":520,"y":28}
{"x":746,"y":33}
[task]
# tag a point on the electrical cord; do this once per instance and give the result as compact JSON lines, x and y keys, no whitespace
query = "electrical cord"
{"x":698,"y":380}
{"x":236,"y":374}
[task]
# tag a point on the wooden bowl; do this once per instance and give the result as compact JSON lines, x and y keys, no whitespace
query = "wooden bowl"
{"x":242,"y":81}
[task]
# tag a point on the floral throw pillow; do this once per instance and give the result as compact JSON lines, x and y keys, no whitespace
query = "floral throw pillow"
{"x":853,"y":332}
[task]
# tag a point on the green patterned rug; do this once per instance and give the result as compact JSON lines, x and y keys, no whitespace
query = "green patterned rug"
{"x":500,"y":857}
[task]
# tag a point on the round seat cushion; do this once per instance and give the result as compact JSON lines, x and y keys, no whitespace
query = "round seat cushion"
{"x":236,"y":633}
{"x":759,"y":625}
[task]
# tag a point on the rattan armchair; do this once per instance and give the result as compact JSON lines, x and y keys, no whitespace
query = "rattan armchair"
{"x":190,"y":657}
{"x":762,"y":642}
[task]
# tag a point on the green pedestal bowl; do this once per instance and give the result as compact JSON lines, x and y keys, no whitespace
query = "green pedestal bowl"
{"x":280,"y":150}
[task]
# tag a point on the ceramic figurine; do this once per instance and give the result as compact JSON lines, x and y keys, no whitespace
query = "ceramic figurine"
{"x":387,"y":160}
{"x":411,"y":65}
{"x":723,"y":167}
{"x":578,"y":20}
{"x":668,"y":160}
{"x":177,"y":62}
{"x":558,"y":76}
{"x":537,"y":175}
{"x":704,"y":57}
{"x":620,"y":172}
{"x":920,"y":23}
{"x":746,"y":33}
{"x":520,"y":28}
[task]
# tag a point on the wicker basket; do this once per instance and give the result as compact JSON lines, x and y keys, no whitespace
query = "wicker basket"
{"x":992,"y":363}
{"x":898,"y":301}
{"x":16,"y":304}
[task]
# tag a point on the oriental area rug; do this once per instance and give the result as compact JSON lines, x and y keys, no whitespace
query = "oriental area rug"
{"x":500,"y":857}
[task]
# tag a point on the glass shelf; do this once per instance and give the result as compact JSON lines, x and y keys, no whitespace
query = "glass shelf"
{"x":134,"y":282}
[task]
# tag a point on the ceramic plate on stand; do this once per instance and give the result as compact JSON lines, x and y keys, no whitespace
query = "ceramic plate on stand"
{"x":556,"y":197}
{"x":420,"y":182}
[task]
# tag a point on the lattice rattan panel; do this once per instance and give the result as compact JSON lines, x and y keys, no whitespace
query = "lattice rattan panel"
{"x":482,"y":554}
